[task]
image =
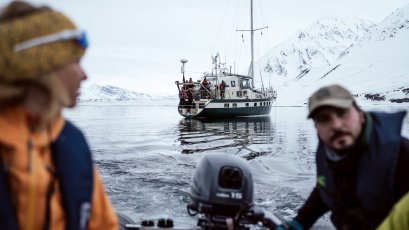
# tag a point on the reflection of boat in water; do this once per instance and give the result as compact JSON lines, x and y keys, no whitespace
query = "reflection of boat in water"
{"x":246,"y":136}
{"x":223,"y":93}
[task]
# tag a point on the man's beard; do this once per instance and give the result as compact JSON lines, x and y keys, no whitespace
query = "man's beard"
{"x":341,"y":143}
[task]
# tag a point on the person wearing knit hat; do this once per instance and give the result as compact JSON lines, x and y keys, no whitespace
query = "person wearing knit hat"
{"x":47,"y":177}
{"x":361,"y":160}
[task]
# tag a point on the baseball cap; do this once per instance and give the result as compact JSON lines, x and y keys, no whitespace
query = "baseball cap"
{"x":332,"y":95}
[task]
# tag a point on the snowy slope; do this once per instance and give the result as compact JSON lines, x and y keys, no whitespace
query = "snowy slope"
{"x":110,"y":93}
{"x":318,"y":45}
{"x":371,"y":61}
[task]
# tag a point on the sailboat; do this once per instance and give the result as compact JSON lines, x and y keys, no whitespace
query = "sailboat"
{"x":221,"y":93}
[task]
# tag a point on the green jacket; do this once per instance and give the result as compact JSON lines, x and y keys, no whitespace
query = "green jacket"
{"x":398,"y":218}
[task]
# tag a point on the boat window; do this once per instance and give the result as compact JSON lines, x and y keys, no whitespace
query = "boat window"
{"x":246,"y":84}
{"x":233,"y":84}
{"x":261,"y":103}
{"x":247,"y":104}
{"x":239,"y":94}
{"x":226,"y":105}
{"x":234,"y":105}
{"x":255,"y":103}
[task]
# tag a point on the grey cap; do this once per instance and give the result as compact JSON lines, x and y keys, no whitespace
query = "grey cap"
{"x":332,"y":95}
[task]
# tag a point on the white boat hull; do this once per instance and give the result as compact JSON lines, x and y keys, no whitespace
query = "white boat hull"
{"x":216,"y":108}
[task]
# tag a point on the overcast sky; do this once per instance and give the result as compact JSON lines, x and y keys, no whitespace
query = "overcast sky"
{"x":138,"y":44}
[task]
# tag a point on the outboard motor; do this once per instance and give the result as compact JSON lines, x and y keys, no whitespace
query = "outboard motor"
{"x":222,"y":193}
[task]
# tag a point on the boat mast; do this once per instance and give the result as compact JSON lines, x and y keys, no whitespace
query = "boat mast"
{"x":252,"y":42}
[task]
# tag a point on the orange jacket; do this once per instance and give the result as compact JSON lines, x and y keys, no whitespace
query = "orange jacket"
{"x":29,"y":175}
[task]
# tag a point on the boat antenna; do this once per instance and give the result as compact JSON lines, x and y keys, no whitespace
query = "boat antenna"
{"x":183,"y":61}
{"x":252,"y":42}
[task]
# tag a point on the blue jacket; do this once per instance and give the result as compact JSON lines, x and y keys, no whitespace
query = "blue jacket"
{"x":74,"y":171}
{"x":375,"y":171}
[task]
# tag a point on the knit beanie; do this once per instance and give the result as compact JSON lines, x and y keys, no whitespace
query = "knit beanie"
{"x":36,"y":44}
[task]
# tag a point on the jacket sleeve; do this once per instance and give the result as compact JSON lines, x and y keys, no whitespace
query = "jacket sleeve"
{"x":102,"y":214}
{"x":402,"y":171}
{"x":398,"y":218}
{"x":312,"y":209}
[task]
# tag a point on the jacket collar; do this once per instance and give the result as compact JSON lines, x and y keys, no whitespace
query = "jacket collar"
{"x":15,"y":129}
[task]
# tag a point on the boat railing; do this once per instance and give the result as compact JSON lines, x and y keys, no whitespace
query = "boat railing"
{"x":198,"y":90}
{"x":205,"y":91}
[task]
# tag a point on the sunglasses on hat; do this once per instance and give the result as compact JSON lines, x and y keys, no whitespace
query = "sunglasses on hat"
{"x":65,"y":35}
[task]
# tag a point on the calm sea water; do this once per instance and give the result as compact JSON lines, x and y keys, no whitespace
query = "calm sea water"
{"x":146,"y":154}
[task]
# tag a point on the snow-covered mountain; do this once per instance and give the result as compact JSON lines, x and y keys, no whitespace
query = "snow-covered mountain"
{"x":112,"y":93}
{"x":318,"y":45}
{"x":392,"y":25}
{"x":369,"y":59}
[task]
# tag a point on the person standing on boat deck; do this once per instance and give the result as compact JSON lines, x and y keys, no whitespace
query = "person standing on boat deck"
{"x":182,"y":96}
{"x":362,"y":162}
{"x":47,"y":177}
{"x":189,"y":98}
{"x":191,"y":84}
{"x":205,"y":84}
{"x":222,"y":88}
{"x":209,"y":87}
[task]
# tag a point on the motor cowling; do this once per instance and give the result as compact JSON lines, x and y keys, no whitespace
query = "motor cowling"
{"x":222,"y":185}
